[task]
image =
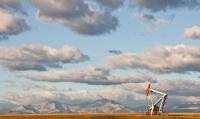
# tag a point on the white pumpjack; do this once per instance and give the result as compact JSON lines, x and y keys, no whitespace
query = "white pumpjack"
{"x":155,"y":108}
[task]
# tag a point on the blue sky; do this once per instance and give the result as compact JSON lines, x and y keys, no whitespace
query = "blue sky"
{"x":144,"y":31}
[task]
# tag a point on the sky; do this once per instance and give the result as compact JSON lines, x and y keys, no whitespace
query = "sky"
{"x":76,"y":51}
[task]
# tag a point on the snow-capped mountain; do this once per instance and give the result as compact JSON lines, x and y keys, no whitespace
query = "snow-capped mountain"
{"x":102,"y":106}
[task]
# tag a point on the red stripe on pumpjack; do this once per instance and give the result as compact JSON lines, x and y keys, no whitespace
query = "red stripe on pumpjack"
{"x":147,"y":89}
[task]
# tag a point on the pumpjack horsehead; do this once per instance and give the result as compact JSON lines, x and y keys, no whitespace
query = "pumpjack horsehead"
{"x":157,"y":106}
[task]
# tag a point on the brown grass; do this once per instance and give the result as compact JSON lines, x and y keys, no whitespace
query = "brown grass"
{"x":103,"y":116}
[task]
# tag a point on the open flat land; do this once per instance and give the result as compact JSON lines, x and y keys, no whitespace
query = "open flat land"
{"x":103,"y":116}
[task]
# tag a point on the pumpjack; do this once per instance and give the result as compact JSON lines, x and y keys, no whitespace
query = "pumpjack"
{"x":156,"y":107}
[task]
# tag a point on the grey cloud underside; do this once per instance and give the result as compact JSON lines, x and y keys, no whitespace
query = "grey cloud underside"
{"x":153,"y":23}
{"x":112,"y":4}
{"x":12,"y":5}
{"x":38,"y":57}
{"x":116,"y":52}
{"x":163,"y":59}
{"x":77,"y":15}
{"x":164,"y":5}
{"x":95,"y":24}
{"x":149,"y":17}
{"x":152,"y":20}
{"x":88,"y":75}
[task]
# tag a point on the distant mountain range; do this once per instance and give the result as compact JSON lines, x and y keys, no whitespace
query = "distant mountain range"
{"x":103,"y":106}
{"x":98,"y":106}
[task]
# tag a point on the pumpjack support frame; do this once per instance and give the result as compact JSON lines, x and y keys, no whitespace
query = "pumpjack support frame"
{"x":155,"y":108}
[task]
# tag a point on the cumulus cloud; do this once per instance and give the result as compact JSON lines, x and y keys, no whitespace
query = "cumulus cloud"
{"x":90,"y":75}
{"x":162,"y":59}
{"x":11,"y":25}
{"x":77,"y":15}
{"x":192,"y":32}
{"x":180,"y":87}
{"x":164,"y":5}
{"x":112,"y":4}
{"x":38,"y":57}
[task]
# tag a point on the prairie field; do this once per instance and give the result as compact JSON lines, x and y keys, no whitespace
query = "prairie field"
{"x":102,"y":116}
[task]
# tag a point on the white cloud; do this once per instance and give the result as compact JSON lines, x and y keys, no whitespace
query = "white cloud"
{"x":162,"y":59}
{"x":38,"y":57}
{"x":180,"y":87}
{"x":89,"y":75}
{"x":192,"y":32}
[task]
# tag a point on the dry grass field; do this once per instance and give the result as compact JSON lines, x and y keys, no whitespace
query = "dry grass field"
{"x":103,"y":116}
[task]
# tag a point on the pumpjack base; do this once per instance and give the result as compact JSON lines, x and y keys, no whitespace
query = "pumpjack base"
{"x":155,"y":111}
